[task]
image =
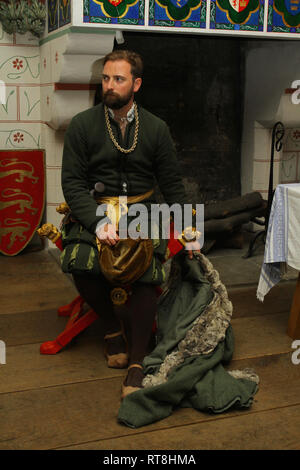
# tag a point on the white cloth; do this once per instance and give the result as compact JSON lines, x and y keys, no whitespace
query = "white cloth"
{"x":283,"y":237}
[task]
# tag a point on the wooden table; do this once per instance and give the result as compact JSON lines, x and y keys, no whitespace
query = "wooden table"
{"x":283,"y":246}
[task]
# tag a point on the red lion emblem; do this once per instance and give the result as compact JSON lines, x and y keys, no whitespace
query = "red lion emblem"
{"x":22,"y":198}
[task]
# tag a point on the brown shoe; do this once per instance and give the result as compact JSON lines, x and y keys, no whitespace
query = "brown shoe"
{"x":118,"y":360}
{"x":133,"y":381}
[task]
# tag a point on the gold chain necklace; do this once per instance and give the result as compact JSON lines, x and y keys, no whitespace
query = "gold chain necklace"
{"x":111,"y":135}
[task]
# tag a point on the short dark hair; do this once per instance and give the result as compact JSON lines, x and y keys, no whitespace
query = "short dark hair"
{"x":131,"y":57}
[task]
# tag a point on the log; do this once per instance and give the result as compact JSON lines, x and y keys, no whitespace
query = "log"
{"x":229,"y":223}
{"x":224,"y":209}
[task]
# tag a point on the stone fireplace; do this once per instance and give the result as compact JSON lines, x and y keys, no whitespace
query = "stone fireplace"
{"x":220,"y":92}
{"x":220,"y":97}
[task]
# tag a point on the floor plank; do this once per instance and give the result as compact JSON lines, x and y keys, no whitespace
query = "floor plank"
{"x":30,"y":263}
{"x":230,"y":272}
{"x":37,"y":327}
{"x":45,"y":324}
{"x":35,"y":292}
{"x":72,"y":414}
{"x":261,"y":335}
{"x":26,"y":368}
{"x":71,"y":400}
{"x":246,"y":304}
{"x":33,"y":282}
{"x":270,"y":430}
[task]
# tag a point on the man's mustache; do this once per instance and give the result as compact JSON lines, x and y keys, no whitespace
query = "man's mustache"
{"x":110,"y":93}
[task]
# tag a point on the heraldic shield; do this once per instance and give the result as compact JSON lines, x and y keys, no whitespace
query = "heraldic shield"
{"x":22,"y":197}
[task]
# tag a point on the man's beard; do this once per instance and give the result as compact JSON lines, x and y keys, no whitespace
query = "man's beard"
{"x":115,"y":101}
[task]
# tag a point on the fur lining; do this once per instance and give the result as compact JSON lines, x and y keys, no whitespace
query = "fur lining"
{"x":205,"y":332}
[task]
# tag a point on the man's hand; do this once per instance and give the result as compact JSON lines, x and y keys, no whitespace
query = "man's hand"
{"x":192,"y":247}
{"x":107,"y":235}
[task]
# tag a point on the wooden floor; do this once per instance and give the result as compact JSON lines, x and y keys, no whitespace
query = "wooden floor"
{"x":71,"y":400}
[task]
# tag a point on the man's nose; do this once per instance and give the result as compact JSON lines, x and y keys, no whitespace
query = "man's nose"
{"x":110,"y":83}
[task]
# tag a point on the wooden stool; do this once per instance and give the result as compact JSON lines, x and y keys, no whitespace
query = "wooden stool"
{"x":78,"y":320}
{"x":77,"y":323}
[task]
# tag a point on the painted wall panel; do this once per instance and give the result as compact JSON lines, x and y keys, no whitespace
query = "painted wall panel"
{"x":126,"y":12}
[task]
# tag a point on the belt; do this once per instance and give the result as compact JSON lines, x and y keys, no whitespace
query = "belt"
{"x":116,"y":207}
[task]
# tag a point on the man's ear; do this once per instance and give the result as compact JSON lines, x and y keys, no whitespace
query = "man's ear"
{"x":137,"y":84}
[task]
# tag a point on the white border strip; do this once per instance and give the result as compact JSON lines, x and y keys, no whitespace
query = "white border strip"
{"x":146,"y":15}
{"x":265,"y":29}
{"x":207,"y":14}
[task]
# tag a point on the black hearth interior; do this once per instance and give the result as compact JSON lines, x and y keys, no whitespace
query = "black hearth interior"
{"x":196,"y":85}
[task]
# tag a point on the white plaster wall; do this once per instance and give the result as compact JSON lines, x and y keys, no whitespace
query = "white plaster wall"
{"x":271,"y":67}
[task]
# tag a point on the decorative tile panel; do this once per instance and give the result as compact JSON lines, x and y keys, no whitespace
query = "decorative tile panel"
{"x":237,"y":15}
{"x":53,"y":181}
{"x":30,"y":104}
{"x":45,"y":59}
{"x":53,"y":15}
{"x":178,"y":13}
{"x":126,"y":12}
{"x":59,"y":14}
{"x":46,"y":97}
{"x":284,"y":16}
{"x":8,"y":106}
{"x":292,"y":140}
{"x":20,"y":65}
{"x":20,"y":136}
{"x":288,"y":170}
{"x":64,"y":12}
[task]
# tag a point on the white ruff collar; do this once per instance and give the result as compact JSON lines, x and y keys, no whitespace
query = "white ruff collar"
{"x":130,"y":114}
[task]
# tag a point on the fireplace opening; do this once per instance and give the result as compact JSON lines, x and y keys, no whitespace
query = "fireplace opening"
{"x":196,"y":85}
{"x":221,"y":97}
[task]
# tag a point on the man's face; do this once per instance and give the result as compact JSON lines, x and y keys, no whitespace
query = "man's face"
{"x":118,"y":84}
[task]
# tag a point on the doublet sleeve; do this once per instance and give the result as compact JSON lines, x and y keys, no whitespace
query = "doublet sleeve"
{"x":75,"y":176}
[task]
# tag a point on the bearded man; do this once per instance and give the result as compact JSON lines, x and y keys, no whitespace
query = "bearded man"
{"x":118,"y":149}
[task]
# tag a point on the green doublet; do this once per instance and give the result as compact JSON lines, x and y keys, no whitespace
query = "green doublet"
{"x":90,"y":157}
